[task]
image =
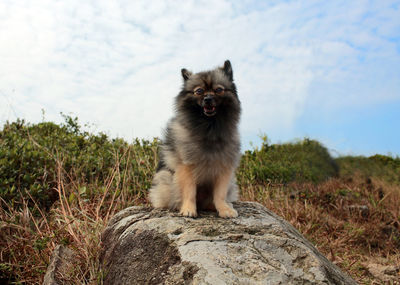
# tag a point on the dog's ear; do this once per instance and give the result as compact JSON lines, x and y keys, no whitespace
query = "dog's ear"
{"x":228,"y":69}
{"x":185,"y":74}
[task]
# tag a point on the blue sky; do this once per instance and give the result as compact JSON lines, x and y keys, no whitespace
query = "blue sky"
{"x":327,"y":70}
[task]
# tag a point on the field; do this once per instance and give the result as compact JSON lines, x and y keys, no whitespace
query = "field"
{"x":60,"y":184}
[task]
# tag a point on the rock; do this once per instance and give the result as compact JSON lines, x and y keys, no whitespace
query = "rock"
{"x":148,"y":246}
{"x":60,"y":264}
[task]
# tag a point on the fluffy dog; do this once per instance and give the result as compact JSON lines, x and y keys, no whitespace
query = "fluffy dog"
{"x":201,"y":147}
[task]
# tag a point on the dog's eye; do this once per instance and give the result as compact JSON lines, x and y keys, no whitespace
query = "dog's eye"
{"x":219,"y":90}
{"x":199,"y":91}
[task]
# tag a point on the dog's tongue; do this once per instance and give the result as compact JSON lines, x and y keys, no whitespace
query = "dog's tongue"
{"x":209,"y":109}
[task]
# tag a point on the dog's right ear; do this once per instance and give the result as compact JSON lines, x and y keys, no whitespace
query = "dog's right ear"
{"x":185,"y":74}
{"x":228,"y":69}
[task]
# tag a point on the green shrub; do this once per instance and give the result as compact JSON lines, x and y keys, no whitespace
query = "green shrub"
{"x":34,"y":156}
{"x":379,"y":166}
{"x":305,"y":160}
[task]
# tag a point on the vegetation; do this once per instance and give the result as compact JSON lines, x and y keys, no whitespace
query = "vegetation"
{"x":302,"y":161}
{"x":378,"y":166}
{"x":60,"y":185}
{"x":31,"y":157}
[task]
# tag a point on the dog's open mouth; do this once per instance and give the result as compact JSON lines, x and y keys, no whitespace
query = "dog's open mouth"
{"x":209,"y":110}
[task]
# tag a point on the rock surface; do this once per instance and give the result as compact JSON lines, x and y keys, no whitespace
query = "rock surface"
{"x":61,"y":263}
{"x":148,"y":246}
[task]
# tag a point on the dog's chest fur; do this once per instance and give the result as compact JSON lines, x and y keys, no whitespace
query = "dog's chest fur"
{"x":209,"y":155}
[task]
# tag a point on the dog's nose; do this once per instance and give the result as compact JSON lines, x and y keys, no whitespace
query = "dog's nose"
{"x":208,"y":100}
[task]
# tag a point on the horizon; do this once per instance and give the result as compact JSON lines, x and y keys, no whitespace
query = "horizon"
{"x":320,"y":70}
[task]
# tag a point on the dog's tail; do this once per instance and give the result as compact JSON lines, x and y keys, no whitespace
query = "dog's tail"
{"x":233,"y":192}
{"x":162,"y":194}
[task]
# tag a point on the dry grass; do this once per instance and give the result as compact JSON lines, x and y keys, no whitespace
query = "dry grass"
{"x":28,"y":236}
{"x":353,"y":222}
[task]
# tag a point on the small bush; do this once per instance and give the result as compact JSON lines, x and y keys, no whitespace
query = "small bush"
{"x":306,"y":160}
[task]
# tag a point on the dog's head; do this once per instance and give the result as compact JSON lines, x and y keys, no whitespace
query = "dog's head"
{"x":208,"y":93}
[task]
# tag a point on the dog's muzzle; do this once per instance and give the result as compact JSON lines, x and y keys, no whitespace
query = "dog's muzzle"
{"x":209,"y":106}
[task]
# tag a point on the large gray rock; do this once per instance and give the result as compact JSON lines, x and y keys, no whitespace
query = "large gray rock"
{"x":146,"y":246}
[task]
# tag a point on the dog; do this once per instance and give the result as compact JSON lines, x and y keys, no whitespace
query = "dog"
{"x":201,"y":147}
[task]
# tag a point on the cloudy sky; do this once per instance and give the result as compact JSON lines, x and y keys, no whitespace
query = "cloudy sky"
{"x":327,"y":70}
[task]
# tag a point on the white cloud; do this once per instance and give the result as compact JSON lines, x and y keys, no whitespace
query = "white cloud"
{"x":117,"y":63}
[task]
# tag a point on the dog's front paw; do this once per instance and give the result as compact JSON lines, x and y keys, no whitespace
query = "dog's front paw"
{"x":227,"y":212}
{"x":188,"y":211}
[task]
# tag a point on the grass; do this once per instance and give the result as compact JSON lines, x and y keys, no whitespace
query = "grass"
{"x":328,"y":214}
{"x":76,"y":219}
{"x":350,"y":212}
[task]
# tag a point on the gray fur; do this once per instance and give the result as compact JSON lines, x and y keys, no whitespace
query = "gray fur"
{"x":210,"y":144}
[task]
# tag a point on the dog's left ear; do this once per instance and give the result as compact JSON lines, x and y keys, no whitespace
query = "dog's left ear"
{"x":185,"y":74}
{"x":228,"y":70}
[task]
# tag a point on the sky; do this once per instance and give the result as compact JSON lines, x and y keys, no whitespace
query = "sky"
{"x":325,"y":70}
